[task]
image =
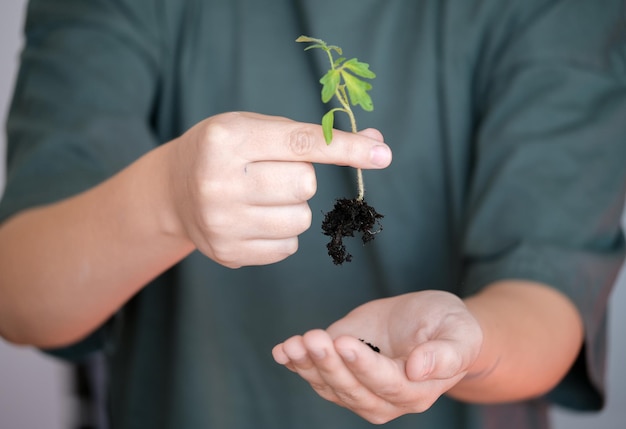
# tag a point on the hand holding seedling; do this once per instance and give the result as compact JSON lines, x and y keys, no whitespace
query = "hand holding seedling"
{"x":241,"y":182}
{"x":344,"y":82}
{"x":428,"y":341}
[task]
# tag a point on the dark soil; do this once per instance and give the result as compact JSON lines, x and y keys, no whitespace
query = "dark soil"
{"x":346,"y":218}
{"x":373,"y":347}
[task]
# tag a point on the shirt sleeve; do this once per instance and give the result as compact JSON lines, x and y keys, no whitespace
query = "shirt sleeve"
{"x":82,"y":105}
{"x":547,"y":190}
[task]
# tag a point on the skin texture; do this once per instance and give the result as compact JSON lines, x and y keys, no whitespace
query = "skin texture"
{"x":96,"y":250}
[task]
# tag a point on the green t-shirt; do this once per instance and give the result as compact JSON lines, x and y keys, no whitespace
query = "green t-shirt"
{"x":506,"y":120}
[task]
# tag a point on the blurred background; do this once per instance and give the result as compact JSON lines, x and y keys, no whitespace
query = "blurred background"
{"x":37,"y":391}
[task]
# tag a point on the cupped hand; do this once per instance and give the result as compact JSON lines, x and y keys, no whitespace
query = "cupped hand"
{"x":428,"y":341}
{"x":240,"y":182}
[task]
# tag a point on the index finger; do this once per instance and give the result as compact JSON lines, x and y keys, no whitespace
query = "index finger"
{"x":271,"y":138}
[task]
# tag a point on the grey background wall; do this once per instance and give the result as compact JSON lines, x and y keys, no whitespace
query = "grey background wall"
{"x":35,"y":389}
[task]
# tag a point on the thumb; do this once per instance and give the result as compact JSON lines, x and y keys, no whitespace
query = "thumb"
{"x":365,"y":149}
{"x":437,"y":359}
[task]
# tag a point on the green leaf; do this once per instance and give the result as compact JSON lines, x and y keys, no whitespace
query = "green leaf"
{"x":359,"y":68}
{"x":318,"y":43}
{"x":335,"y":48}
{"x":328,"y":121}
{"x":330,"y":81}
{"x":307,"y":39}
{"x":357,"y":91}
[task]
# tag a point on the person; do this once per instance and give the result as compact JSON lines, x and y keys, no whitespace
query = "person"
{"x":166,"y":176}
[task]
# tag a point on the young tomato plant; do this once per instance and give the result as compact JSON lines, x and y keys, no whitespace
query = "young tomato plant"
{"x":344,"y":82}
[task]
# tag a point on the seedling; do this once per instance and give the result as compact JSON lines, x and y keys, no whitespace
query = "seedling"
{"x":344,"y":82}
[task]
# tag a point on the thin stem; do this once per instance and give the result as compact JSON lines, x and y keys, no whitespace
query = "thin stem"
{"x":343,"y":99}
{"x":360,"y":186}
{"x":330,"y":58}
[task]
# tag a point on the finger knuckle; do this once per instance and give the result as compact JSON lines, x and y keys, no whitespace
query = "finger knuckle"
{"x":304,"y":219}
{"x":280,"y":251}
{"x":307,"y":185}
{"x":325,"y":392}
{"x":319,"y":387}
{"x":350,"y":397}
{"x":221,"y":249}
{"x":289,"y":248}
{"x":292,"y":222}
{"x":301,"y":141}
{"x":391,"y":391}
{"x":224,"y":255}
{"x":218,"y":128}
{"x":212,"y":190}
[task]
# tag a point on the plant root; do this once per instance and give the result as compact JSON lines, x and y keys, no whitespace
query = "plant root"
{"x":347,"y":217}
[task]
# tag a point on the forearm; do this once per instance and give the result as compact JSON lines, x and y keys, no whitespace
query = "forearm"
{"x":68,"y":266}
{"x":532,"y":335}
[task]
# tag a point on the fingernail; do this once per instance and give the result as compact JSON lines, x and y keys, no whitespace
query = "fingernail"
{"x":380,"y":156}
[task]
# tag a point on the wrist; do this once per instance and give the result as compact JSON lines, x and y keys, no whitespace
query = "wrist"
{"x":169,"y":198}
{"x":532,"y":335}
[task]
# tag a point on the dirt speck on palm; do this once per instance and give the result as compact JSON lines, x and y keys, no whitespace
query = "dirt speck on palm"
{"x":347,"y":217}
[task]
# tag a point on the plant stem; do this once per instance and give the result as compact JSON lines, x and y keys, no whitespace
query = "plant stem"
{"x":359,"y":180}
{"x":330,"y":58}
{"x":343,"y":99}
